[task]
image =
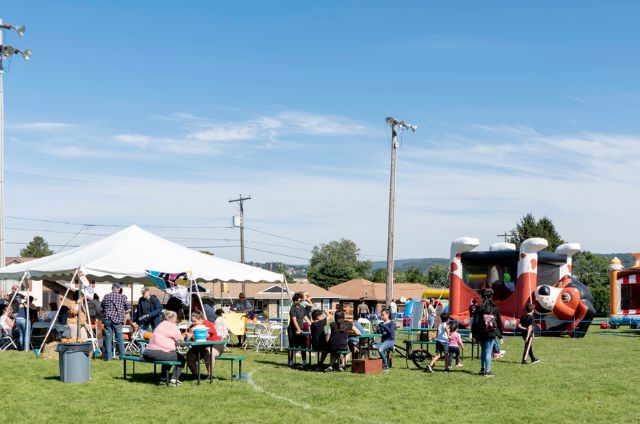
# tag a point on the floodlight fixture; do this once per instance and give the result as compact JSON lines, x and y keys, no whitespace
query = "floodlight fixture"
{"x":19,"y":29}
{"x":8,"y":51}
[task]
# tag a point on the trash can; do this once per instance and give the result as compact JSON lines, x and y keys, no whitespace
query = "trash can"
{"x":75,"y":365}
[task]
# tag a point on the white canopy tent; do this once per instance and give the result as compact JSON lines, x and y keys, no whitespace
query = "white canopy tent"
{"x":125,"y":255}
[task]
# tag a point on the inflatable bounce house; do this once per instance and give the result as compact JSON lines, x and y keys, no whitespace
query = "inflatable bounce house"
{"x":563,"y":304}
{"x":624,"y":296}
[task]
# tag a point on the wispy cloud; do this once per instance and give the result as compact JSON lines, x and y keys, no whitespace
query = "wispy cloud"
{"x":43,"y":126}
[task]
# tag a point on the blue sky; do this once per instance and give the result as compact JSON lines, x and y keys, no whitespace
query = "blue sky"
{"x":157,"y":113}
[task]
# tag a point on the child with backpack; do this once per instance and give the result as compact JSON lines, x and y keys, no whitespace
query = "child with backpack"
{"x":487,"y":325}
{"x":442,"y":344}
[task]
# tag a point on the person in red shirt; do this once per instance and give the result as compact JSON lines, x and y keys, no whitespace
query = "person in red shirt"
{"x":197,"y":318}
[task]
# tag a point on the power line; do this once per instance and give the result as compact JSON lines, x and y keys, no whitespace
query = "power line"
{"x":282,"y":237}
{"x":177,"y":227}
{"x":276,"y":253}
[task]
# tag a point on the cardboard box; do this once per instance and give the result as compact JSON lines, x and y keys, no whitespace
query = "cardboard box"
{"x":366,"y":366}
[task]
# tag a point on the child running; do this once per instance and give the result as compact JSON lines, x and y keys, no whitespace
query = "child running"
{"x":455,"y":344}
{"x":442,"y":344}
{"x":526,"y":326}
{"x":388,"y":331}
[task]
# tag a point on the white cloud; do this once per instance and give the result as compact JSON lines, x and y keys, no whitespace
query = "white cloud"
{"x":133,"y":138}
{"x":320,"y":124}
{"x":44,"y":126}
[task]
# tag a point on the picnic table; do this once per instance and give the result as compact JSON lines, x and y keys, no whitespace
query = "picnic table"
{"x":366,"y":343}
{"x":207,"y":344}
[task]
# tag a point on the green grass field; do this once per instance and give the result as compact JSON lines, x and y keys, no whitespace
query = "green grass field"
{"x":594,"y":379}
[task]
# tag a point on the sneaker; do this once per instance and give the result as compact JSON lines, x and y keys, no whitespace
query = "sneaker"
{"x":481,"y":371}
{"x":428,"y":368}
{"x":340,"y":369}
{"x":459,"y":365}
{"x":537,"y":361}
{"x":385,"y":368}
{"x":175,"y":382}
{"x":447,"y":370}
{"x":488,"y":374}
{"x":328,"y":369}
{"x":523,"y":363}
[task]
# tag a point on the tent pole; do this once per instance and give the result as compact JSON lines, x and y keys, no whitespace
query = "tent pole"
{"x":28,"y":319}
{"x":53,"y":321}
{"x":286,"y":286}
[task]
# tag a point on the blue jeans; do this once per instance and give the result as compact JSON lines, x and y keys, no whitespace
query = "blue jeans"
{"x":432,"y":320}
{"x":383,"y":348}
{"x":21,"y":328}
{"x":111,"y":327}
{"x":486,"y":347}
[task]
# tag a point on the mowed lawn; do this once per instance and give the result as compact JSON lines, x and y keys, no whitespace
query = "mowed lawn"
{"x":594,"y":379}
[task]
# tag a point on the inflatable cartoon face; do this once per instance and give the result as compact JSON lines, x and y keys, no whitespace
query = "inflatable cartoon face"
{"x":568,"y":301}
{"x":561,"y":302}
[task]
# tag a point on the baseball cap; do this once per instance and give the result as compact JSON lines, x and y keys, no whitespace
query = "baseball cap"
{"x":144,"y":290}
{"x":116,"y":286}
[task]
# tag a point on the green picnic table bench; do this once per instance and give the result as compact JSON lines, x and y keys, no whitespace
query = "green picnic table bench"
{"x":141,"y":359}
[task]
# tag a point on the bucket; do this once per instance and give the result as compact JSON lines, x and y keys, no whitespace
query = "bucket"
{"x":200,"y":333}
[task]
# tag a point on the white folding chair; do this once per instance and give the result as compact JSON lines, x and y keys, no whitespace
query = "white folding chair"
{"x":6,"y":340}
{"x":267,"y":340}
{"x":365,"y":323}
{"x":252,"y":334}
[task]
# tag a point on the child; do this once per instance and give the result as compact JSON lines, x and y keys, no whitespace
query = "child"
{"x":337,"y":337}
{"x":442,"y":344}
{"x":455,"y":343}
{"x":318,"y":336}
{"x":526,"y":326}
{"x":387,"y":329}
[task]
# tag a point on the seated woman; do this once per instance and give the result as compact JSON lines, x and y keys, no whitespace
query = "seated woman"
{"x":221,"y":326}
{"x":338,"y":337}
{"x":53,"y":310}
{"x":197,"y":318}
{"x":162,"y":346}
{"x":6,"y":320}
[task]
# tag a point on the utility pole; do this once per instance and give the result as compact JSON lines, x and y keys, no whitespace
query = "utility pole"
{"x":395,"y":126}
{"x":506,"y":235}
{"x":241,"y":200}
{"x":5,"y":53}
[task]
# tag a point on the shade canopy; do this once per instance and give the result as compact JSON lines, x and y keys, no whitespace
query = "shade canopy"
{"x":125,"y":255}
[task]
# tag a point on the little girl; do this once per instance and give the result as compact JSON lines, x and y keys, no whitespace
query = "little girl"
{"x":455,"y":343}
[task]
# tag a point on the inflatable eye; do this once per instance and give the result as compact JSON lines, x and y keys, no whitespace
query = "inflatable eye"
{"x":566,"y":297}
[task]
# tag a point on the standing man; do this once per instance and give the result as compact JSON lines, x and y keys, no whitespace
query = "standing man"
{"x":148,"y":311}
{"x":114,"y":305}
{"x":363,"y":309}
{"x":393,"y":308}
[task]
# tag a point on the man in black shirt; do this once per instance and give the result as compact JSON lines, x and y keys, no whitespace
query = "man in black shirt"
{"x":296,"y":324}
{"x":527,"y":327}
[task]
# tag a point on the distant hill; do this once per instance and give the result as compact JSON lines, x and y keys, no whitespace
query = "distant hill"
{"x":300,"y":271}
{"x":404,"y":264}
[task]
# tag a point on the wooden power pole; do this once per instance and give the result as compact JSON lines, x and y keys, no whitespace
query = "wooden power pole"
{"x":395,"y":126}
{"x":241,"y":200}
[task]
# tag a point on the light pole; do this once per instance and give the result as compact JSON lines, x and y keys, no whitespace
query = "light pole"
{"x":5,"y":53}
{"x":395,"y":126}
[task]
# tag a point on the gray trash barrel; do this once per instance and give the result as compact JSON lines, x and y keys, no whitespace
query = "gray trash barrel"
{"x":75,"y":365}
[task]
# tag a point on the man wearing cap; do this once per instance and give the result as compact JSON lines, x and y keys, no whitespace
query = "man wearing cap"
{"x":114,"y":305}
{"x":149,"y":310}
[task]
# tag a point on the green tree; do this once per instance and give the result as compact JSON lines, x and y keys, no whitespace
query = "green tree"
{"x":414,"y":275}
{"x":37,"y":248}
{"x":399,"y":277}
{"x":336,"y":262}
{"x":529,"y":227}
{"x":593,"y":271}
{"x":437,"y":276}
{"x":379,"y":275}
{"x":282,"y":269}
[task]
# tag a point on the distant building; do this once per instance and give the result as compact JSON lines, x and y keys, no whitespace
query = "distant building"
{"x":374,"y":294}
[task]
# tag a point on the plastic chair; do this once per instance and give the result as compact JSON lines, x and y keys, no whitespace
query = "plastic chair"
{"x":365,"y":323}
{"x":252,"y":334}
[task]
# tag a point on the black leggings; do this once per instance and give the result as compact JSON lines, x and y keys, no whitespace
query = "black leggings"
{"x":159,"y":355}
{"x":454,"y":352}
